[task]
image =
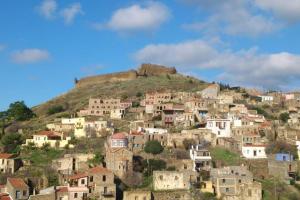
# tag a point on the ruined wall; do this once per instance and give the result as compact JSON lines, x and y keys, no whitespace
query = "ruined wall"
{"x":113,"y":77}
{"x":144,"y":70}
{"x":155,"y":70}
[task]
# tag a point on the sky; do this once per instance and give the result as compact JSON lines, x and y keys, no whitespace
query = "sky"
{"x":46,"y":44}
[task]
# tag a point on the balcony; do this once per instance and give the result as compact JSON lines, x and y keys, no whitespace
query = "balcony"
{"x":107,"y":194}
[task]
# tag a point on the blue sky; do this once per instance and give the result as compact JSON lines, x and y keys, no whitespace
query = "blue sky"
{"x":45,"y":44}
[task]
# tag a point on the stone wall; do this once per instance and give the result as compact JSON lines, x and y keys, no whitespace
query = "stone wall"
{"x":113,"y":77}
{"x":144,"y":70}
{"x":155,"y":70}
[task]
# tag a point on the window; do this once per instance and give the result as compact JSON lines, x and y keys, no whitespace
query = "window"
{"x":103,"y":178}
{"x":161,"y":177}
{"x":82,"y":181}
{"x":223,"y":180}
{"x":24,"y":192}
{"x":91,"y":179}
{"x":75,"y":195}
{"x":176,"y":178}
{"x":249,"y":192}
{"x":227,"y":189}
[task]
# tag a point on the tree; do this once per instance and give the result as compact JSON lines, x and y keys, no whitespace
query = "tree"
{"x":19,"y":111}
{"x":98,"y":159}
{"x":153,"y":165}
{"x":55,"y":109}
{"x":12,"y":142}
{"x":153,"y":147}
{"x":284,"y":117}
{"x":139,"y":94}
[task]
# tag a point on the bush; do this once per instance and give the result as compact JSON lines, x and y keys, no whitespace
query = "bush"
{"x":153,"y":165}
{"x":135,"y":104}
{"x":284,"y":117}
{"x":12,"y":142}
{"x":55,"y":109}
{"x":98,"y":159}
{"x":153,"y":147}
{"x":139,"y":94}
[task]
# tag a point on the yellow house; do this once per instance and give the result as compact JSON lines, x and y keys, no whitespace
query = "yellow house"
{"x":54,"y":139}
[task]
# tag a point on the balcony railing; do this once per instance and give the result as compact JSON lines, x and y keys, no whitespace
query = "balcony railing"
{"x":107,"y":194}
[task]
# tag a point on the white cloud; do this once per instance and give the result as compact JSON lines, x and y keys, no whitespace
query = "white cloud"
{"x":48,"y":8}
{"x":137,"y":17}
{"x":71,"y":12}
{"x":285,"y":10}
{"x":246,"y":67}
{"x":233,"y":17}
{"x":30,"y":56}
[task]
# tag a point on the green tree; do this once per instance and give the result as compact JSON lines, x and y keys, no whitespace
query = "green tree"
{"x":153,"y":147}
{"x":55,"y":109}
{"x":98,"y":159}
{"x":284,"y":117}
{"x":153,"y":165}
{"x":19,"y":111}
{"x":12,"y":142}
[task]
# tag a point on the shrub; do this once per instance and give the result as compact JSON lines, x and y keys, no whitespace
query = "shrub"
{"x":153,"y":165}
{"x":55,"y":109}
{"x":12,"y":142}
{"x":284,"y":117}
{"x":153,"y":147}
{"x":139,"y":94}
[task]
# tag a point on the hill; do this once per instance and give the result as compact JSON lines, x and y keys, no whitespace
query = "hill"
{"x":149,"y":78}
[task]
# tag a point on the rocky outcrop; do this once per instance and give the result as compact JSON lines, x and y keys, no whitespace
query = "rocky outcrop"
{"x":144,"y":70}
{"x":155,"y":70}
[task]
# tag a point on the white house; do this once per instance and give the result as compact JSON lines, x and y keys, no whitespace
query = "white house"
{"x":220,"y":127}
{"x":254,"y":151}
{"x":55,"y":140}
{"x":201,"y":158}
{"x":153,"y":130}
{"x":267,"y":98}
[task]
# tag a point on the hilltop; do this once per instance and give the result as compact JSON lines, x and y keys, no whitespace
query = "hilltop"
{"x":125,"y":85}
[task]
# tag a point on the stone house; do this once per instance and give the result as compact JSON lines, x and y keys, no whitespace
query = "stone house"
{"x":282,"y":166}
{"x":54,"y":139}
{"x":175,"y":140}
{"x":229,"y":143}
{"x":17,"y":188}
{"x":173,"y":180}
{"x":211,"y":92}
{"x":99,"y":182}
{"x":71,"y":193}
{"x":120,"y":161}
{"x":9,"y":163}
{"x":235,"y":182}
{"x":71,"y":163}
{"x":104,"y":107}
{"x":137,"y":195}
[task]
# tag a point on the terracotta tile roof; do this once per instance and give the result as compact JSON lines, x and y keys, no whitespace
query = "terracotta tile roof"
{"x":136,"y":133}
{"x":78,"y":176}
{"x":119,"y":136}
{"x":62,"y":189}
{"x":99,"y":169}
{"x":5,"y":196}
{"x":6,"y":155}
{"x":17,"y":183}
{"x":47,"y":133}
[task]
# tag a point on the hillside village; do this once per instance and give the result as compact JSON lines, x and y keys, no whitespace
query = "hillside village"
{"x":201,"y":141}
